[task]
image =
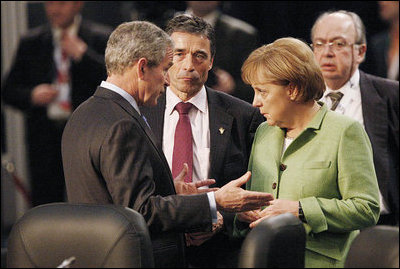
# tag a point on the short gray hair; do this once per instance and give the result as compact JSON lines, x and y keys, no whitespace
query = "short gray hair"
{"x":358,"y":25}
{"x":131,"y":41}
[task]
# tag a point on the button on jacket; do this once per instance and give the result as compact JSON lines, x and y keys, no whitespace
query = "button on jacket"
{"x":329,"y":169}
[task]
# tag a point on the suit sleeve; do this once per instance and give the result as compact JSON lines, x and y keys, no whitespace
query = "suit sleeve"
{"x":127,"y":164}
{"x":15,"y":90}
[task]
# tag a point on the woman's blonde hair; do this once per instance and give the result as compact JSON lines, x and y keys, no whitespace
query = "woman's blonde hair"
{"x":286,"y":61}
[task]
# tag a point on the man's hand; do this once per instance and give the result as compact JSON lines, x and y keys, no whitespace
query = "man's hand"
{"x":225,"y":81}
{"x":73,"y":46}
{"x":277,"y":207}
{"x":196,"y":239}
{"x":183,"y":187}
{"x":232,"y":198}
{"x":43,"y":94}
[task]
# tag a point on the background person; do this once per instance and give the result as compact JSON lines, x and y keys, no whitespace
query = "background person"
{"x":339,"y":46}
{"x":317,"y":163}
{"x":110,"y":155}
{"x":222,"y":127}
{"x":383,"y":49}
{"x":55,"y":69}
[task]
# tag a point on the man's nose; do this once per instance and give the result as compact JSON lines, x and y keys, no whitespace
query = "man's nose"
{"x":188,"y":63}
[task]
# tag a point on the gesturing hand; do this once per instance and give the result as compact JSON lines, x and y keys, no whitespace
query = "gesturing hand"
{"x":232,"y":198}
{"x":183,"y":187}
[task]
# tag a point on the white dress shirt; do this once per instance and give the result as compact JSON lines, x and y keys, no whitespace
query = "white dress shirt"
{"x":199,"y":121}
{"x":350,"y":105}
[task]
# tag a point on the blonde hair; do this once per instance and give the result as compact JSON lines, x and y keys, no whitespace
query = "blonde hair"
{"x":286,"y":61}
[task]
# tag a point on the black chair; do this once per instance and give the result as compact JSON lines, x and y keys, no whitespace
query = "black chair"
{"x":375,"y":247}
{"x":276,"y":242}
{"x":81,"y":236}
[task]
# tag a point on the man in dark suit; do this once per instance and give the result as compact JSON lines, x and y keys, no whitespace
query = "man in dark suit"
{"x":339,"y":45}
{"x":110,"y":155}
{"x":56,"y":67}
{"x":223,"y":128}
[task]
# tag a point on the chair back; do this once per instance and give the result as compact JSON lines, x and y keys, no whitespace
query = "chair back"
{"x":80,"y":235}
{"x":276,"y":242}
{"x":375,"y":247}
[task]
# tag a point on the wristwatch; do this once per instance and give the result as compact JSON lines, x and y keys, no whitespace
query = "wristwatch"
{"x":301,"y":214}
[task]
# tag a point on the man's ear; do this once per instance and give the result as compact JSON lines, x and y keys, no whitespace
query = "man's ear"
{"x":142,"y":67}
{"x":361,"y":50}
{"x":211,"y":64}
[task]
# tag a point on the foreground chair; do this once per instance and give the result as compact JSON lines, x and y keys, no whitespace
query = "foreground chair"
{"x":101,"y":236}
{"x":375,"y":247}
{"x":276,"y":242}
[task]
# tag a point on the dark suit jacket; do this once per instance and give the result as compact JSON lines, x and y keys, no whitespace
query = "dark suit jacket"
{"x":110,"y":157}
{"x":235,"y":40}
{"x":229,"y":154}
{"x":380,"y":105}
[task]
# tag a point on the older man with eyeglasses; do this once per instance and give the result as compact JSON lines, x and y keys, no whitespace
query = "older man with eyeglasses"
{"x":339,"y":45}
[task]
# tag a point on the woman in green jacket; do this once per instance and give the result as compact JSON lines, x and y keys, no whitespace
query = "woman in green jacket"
{"x":317,"y":163}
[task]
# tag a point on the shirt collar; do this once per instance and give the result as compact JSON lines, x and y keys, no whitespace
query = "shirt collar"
{"x":351,"y":84}
{"x":121,"y":92}
{"x":316,"y":122}
{"x":199,"y":100}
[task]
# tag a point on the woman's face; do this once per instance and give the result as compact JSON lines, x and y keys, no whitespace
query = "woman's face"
{"x":274,"y":102}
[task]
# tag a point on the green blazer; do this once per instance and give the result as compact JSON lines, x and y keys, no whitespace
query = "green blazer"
{"x":329,"y":169}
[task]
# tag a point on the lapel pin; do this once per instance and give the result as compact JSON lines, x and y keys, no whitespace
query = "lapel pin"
{"x":221,"y":130}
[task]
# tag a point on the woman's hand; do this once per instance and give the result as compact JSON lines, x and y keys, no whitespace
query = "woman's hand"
{"x":277,"y":207}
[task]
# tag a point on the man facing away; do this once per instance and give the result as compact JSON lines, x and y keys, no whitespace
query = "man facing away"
{"x":110,"y":155}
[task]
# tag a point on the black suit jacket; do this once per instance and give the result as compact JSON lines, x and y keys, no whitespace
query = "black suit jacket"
{"x":110,"y":157}
{"x":380,"y":106}
{"x":235,"y":40}
{"x":229,"y":155}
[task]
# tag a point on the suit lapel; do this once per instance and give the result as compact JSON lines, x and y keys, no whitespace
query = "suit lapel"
{"x":155,"y":117}
{"x":220,"y":132}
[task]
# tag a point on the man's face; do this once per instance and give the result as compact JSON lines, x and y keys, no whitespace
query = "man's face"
{"x":61,"y":13}
{"x":337,"y":64}
{"x":191,"y":63}
{"x":156,"y":80}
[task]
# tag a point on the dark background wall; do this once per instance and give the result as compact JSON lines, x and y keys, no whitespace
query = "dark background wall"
{"x":274,"y":19}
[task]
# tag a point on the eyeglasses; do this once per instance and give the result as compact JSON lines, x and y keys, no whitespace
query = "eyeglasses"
{"x":336,"y":45}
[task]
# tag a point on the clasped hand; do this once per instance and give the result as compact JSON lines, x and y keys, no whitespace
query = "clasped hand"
{"x":276,"y":207}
